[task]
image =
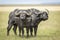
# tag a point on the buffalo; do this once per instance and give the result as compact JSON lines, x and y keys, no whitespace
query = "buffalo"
{"x":30,"y":21}
{"x":37,"y":17}
{"x":16,"y":18}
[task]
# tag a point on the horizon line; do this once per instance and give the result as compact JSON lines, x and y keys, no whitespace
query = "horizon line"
{"x":29,"y":4}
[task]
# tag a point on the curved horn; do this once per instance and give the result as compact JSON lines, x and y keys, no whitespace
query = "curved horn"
{"x":28,"y":12}
{"x":47,"y":10}
{"x":18,"y":12}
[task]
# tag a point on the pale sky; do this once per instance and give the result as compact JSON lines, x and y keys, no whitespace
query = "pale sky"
{"x":29,"y":1}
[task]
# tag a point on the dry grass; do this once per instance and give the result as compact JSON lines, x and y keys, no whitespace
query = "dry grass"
{"x":10,"y":8}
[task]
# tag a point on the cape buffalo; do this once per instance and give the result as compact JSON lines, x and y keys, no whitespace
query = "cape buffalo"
{"x":37,"y":17}
{"x":15,"y":19}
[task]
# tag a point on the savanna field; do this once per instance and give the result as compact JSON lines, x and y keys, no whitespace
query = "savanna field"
{"x":47,"y":30}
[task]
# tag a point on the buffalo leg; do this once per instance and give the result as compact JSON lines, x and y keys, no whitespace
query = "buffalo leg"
{"x":31,"y":30}
{"x":8,"y":28}
{"x":22,"y":31}
{"x":19,"y":31}
{"x":35,"y":30}
{"x":27,"y":30}
{"x":14,"y":29}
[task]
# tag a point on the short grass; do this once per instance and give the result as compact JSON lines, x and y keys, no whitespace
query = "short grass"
{"x":47,"y":30}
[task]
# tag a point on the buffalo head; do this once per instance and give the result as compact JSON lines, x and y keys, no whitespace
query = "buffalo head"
{"x":44,"y":15}
{"x":23,"y":14}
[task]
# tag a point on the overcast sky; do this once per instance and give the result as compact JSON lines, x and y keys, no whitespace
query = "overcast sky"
{"x":29,"y":1}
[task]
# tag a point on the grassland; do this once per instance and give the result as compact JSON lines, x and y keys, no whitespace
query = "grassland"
{"x":47,"y":30}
